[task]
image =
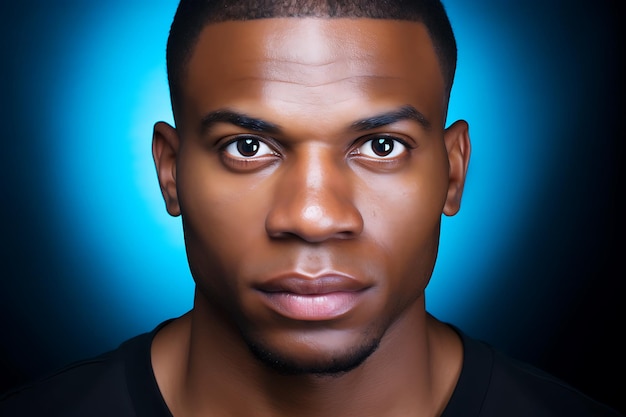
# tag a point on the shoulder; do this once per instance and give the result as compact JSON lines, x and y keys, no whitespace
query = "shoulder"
{"x":494,"y":384}
{"x":100,"y":386}
{"x":530,"y":389}
{"x":80,"y":385}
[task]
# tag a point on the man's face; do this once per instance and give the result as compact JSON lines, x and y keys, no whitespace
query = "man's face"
{"x":311,"y":172}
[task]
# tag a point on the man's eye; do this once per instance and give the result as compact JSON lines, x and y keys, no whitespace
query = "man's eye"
{"x":248,"y":147}
{"x":382,"y":148}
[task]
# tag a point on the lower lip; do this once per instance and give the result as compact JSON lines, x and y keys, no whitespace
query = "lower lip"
{"x":312,"y":307}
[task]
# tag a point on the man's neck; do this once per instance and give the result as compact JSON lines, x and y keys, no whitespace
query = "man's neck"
{"x":203,"y":367}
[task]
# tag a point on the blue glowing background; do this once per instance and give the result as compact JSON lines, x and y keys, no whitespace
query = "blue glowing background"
{"x":90,"y":256}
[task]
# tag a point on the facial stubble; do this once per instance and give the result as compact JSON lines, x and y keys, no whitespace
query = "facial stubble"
{"x":338,"y":364}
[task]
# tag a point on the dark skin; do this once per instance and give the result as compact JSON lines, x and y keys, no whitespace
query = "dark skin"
{"x":311,"y":167}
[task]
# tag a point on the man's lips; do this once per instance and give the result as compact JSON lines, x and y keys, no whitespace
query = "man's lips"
{"x":325,"y":284}
{"x":319,"y":298}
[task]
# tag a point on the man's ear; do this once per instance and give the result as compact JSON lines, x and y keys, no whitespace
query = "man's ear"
{"x":165,"y":144}
{"x":456,"y":138}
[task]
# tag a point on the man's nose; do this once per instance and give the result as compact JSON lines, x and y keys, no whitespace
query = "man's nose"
{"x":314,"y":199}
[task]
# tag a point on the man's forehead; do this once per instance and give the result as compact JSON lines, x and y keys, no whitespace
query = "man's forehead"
{"x":315,"y":41}
{"x":314,"y":65}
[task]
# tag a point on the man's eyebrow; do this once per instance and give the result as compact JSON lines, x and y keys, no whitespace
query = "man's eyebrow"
{"x":238,"y":119}
{"x":403,"y":113}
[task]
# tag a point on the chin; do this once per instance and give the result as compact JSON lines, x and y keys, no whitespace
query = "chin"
{"x":307,"y":359}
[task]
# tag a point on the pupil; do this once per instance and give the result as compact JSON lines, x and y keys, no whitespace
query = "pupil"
{"x":382,"y":146}
{"x":248,"y":147}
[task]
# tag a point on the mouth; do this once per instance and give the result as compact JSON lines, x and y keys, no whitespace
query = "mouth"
{"x":321,"y":298}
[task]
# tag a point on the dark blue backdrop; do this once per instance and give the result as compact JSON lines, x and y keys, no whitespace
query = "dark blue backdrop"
{"x":532,"y":263}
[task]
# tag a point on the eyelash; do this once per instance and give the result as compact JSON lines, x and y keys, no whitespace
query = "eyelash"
{"x":242,"y":163}
{"x":238,"y":140}
{"x":370,"y":138}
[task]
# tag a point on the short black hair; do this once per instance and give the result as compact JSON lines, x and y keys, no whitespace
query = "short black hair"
{"x":193,"y":15}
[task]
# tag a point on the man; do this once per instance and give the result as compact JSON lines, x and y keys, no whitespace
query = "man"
{"x":311,"y":165}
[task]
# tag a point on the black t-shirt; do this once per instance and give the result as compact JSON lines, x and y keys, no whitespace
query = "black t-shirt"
{"x":121,"y":383}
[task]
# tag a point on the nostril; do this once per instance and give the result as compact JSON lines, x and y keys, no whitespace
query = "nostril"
{"x":346,"y":235}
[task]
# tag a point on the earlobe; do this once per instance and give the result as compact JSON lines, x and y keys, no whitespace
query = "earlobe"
{"x":457,"y":142}
{"x":165,"y":144}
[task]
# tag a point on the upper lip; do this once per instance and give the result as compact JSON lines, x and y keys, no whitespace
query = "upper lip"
{"x":312,"y":285}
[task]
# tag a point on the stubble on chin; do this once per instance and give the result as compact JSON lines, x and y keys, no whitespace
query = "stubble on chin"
{"x":336,"y":364}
